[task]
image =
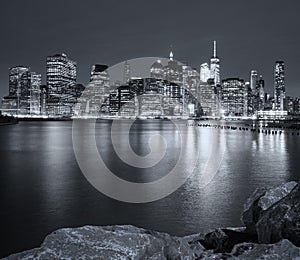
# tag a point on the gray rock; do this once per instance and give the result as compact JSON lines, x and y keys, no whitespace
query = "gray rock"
{"x":222,"y":240}
{"x":281,"y":250}
{"x":261,"y":200}
{"x":273,"y":195}
{"x":109,"y":242}
{"x":128,"y":242}
{"x":282,"y":220}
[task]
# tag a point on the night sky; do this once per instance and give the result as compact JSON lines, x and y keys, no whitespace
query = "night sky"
{"x":250,"y":34}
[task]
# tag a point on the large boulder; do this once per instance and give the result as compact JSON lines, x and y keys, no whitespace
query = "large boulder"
{"x":222,"y":240}
{"x":281,"y":220}
{"x":281,"y":250}
{"x":109,"y":242}
{"x":260,"y":201}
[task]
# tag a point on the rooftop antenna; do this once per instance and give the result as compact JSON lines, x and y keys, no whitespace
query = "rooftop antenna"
{"x":215,"y":49}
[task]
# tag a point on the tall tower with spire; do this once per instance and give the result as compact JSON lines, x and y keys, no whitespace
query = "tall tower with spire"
{"x":215,"y":66}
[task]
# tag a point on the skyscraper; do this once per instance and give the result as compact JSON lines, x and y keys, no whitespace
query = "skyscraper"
{"x":61,"y":80}
{"x":215,"y":66}
{"x":61,"y":72}
{"x":208,"y":99}
{"x":253,"y":81}
{"x":17,"y":102}
{"x":95,"y":98}
{"x":35,"y":93}
{"x":204,"y":72}
{"x":233,"y":94}
{"x":261,"y":92}
{"x":24,"y":92}
{"x":279,"y":86}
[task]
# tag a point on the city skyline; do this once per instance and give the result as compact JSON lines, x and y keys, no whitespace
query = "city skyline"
{"x":250,"y":44}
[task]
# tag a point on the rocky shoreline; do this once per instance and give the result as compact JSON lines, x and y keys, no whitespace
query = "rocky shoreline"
{"x":271,"y":218}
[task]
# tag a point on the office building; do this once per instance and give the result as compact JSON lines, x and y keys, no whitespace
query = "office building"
{"x":61,"y":80}
{"x":35,"y":93}
{"x":233,"y":94}
{"x":204,"y":72}
{"x":279,"y":86}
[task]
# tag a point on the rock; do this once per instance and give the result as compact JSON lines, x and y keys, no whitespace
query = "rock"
{"x":273,"y":195}
{"x":260,"y":201}
{"x":281,"y":250}
{"x":281,"y":220}
{"x":223,"y":240}
{"x":109,"y":242}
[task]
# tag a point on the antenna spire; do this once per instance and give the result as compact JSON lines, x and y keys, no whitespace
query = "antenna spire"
{"x":215,"y":49}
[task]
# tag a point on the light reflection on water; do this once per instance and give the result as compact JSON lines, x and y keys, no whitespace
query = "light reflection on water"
{"x":42,"y":187}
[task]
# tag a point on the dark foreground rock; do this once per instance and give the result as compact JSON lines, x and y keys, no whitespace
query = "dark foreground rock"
{"x":109,"y":242}
{"x":281,"y":220}
{"x":272,"y":231}
{"x":260,"y":201}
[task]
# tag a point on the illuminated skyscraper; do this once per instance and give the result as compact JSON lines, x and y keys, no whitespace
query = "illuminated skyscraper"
{"x":233,"y":94}
{"x":98,"y":90}
{"x":17,"y":102}
{"x":24,"y":92}
{"x":261,"y":92}
{"x":279,"y":86}
{"x":61,"y":81}
{"x":204,"y":72}
{"x":208,"y":99}
{"x":35,"y":93}
{"x":253,"y":81}
{"x":215,"y":66}
{"x":61,"y":72}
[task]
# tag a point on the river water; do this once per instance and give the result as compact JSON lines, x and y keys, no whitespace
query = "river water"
{"x":42,"y":187}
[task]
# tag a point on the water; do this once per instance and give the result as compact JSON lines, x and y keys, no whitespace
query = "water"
{"x":42,"y":187}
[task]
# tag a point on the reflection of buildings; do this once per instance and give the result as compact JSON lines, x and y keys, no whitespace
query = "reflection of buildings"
{"x":61,"y":80}
{"x":279,"y":86}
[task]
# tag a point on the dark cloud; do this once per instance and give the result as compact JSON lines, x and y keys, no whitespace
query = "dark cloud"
{"x":250,"y":34}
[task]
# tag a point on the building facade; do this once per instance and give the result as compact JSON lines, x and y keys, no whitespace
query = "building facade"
{"x":204,"y":72}
{"x":61,"y":81}
{"x":279,"y":86}
{"x":233,"y":94}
